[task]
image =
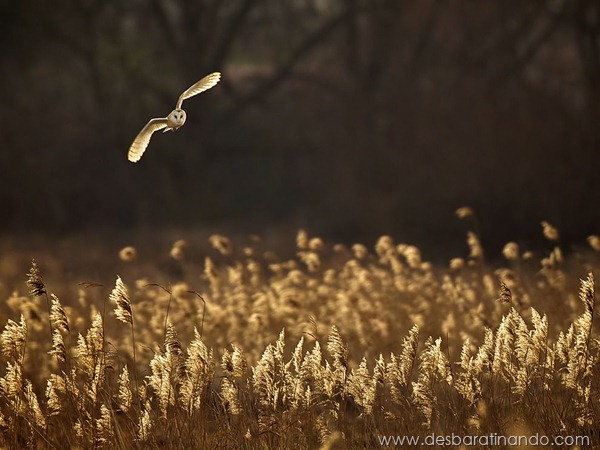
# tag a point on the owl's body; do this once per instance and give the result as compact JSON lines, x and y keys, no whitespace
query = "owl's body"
{"x":173,"y":121}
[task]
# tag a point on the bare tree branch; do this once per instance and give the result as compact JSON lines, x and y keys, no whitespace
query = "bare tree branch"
{"x":168,"y":29}
{"x":425,"y":33}
{"x":284,"y":70}
{"x":351,"y":43}
{"x":532,"y":47}
{"x":502,"y":38}
{"x":234,"y":26}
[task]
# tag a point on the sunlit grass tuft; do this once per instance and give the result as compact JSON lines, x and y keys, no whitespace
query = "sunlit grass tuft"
{"x":329,"y":349}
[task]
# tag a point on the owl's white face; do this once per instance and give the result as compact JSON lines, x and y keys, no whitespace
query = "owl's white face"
{"x":176,"y":118}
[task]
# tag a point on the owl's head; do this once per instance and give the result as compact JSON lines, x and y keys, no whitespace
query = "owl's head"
{"x":176,"y":118}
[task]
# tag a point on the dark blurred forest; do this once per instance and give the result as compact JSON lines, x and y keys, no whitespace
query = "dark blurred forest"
{"x":352,"y":118}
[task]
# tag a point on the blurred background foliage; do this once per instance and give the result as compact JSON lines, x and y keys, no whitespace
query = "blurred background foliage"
{"x":352,"y":118}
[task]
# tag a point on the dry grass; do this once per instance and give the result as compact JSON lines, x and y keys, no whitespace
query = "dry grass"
{"x":328,"y":349}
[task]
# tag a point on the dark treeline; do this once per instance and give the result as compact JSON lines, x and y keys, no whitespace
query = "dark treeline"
{"x":350,"y":117}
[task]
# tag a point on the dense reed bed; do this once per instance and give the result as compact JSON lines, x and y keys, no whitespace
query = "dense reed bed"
{"x":333,"y":348}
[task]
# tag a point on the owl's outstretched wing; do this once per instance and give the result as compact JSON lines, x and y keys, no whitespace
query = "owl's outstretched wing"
{"x":138,"y":146}
{"x":204,"y":84}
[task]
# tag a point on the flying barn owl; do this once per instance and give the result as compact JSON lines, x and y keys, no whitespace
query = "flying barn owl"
{"x":173,"y":121}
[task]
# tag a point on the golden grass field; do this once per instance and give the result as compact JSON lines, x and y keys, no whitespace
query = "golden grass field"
{"x":331,"y":348}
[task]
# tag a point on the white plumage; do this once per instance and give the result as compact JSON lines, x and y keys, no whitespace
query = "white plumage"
{"x":173,"y":121}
